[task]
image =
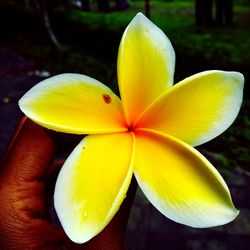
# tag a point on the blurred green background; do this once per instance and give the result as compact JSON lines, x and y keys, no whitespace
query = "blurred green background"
{"x":89,"y":40}
{"x":83,"y":36}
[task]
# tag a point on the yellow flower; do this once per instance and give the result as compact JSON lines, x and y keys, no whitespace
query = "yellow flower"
{"x":149,"y":132}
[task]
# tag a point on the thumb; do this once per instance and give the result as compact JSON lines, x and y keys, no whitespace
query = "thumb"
{"x":29,"y":154}
{"x":23,"y":171}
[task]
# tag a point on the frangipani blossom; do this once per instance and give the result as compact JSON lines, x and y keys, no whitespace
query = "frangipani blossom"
{"x":149,"y":132}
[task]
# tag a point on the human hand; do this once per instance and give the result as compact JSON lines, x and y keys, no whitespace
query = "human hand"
{"x":27,"y":178}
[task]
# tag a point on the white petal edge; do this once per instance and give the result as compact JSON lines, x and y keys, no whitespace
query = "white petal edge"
{"x":90,"y":231}
{"x":201,"y":220}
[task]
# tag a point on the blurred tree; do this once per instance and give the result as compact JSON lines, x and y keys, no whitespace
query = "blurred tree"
{"x":203,"y":12}
{"x":147,"y":8}
{"x":42,"y":8}
{"x":103,"y":5}
{"x":85,"y":5}
{"x":224,"y":12}
{"x":121,"y":4}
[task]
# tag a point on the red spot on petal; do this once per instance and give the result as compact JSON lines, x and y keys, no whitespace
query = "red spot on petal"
{"x":106,"y":98}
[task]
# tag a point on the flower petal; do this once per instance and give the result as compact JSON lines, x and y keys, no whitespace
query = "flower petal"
{"x":197,"y":109}
{"x":93,"y":183}
{"x":180,"y":182}
{"x":74,"y":103}
{"x":146,"y":62}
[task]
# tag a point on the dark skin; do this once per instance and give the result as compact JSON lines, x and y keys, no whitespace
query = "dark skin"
{"x":27,"y":179}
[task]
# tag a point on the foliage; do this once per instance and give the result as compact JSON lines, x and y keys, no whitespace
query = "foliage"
{"x":96,"y":36}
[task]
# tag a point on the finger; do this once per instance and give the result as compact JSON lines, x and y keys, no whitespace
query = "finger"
{"x":53,"y":173}
{"x":28,"y":159}
{"x":49,"y":191}
{"x":26,"y":163}
{"x":29,"y":154}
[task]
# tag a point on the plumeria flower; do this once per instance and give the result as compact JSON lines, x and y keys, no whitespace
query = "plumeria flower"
{"x":150,"y":132}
